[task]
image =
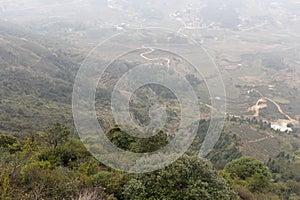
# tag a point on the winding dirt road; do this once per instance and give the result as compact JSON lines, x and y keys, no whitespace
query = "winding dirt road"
{"x":290,"y":119}
{"x":155,"y":59}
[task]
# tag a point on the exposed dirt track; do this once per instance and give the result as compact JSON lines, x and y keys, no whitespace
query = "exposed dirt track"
{"x":289,"y":119}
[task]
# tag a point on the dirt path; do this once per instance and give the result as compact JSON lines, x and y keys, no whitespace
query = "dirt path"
{"x":156,"y":59}
{"x":280,"y":109}
{"x":261,"y":139}
{"x":290,"y":119}
{"x":257,"y":107}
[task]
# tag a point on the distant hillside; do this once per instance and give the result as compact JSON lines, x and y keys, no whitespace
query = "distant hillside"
{"x":36,"y":82}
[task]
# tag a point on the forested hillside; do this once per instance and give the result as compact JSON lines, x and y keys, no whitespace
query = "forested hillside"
{"x":36,"y":83}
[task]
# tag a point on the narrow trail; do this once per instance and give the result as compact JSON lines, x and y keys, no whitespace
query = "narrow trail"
{"x":261,"y":139}
{"x":290,"y":119}
{"x":155,"y":59}
{"x":280,"y":109}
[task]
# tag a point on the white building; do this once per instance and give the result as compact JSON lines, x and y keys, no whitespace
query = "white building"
{"x":281,"y":126}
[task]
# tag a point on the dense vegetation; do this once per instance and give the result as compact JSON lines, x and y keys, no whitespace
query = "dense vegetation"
{"x":54,"y":164}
